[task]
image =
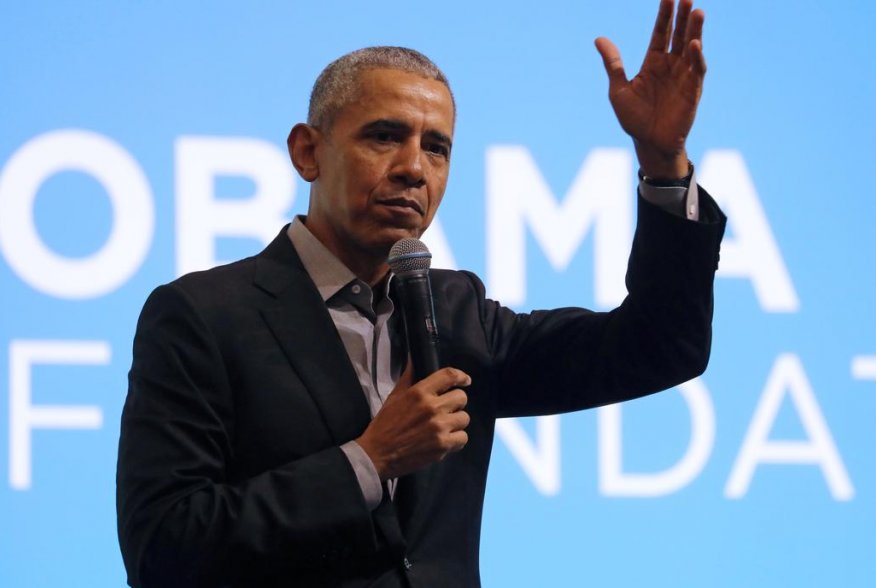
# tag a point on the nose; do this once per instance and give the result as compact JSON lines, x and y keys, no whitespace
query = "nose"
{"x":408,"y":165}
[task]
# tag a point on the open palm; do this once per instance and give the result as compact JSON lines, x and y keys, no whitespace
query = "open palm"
{"x":657,"y":107}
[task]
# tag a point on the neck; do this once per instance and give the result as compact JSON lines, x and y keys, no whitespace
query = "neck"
{"x":370,"y":267}
{"x":368,"y":272}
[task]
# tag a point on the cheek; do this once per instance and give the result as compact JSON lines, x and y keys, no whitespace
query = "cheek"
{"x":434,"y":201}
{"x":436,"y":190}
{"x":364,"y":178}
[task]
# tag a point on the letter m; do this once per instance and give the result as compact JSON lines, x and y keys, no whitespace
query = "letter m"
{"x":519,"y":198}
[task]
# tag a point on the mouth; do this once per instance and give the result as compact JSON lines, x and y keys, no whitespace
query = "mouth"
{"x":405,"y":203}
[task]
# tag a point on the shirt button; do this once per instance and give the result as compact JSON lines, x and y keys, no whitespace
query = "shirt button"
{"x":356,"y":288}
{"x":407,"y":564}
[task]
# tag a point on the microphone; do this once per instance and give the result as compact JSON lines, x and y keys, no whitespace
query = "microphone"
{"x":409,"y":260}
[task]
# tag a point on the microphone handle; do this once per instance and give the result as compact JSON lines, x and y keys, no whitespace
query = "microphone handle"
{"x":415,"y":294}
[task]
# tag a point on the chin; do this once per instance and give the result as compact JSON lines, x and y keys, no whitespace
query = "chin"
{"x":401,"y":231}
{"x":386,"y":238}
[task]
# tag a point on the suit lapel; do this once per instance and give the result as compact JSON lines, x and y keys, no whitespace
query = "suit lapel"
{"x":299,"y":320}
{"x":304,"y":330}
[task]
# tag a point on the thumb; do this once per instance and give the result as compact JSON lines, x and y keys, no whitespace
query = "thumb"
{"x":406,"y":379}
{"x":611,"y":59}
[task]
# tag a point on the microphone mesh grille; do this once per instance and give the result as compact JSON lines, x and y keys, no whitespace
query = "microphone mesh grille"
{"x":409,"y":255}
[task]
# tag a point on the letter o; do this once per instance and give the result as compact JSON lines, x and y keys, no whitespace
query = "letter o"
{"x":133,"y":221}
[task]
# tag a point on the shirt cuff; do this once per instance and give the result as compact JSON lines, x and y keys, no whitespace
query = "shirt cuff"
{"x":683,"y":202}
{"x":366,"y":473}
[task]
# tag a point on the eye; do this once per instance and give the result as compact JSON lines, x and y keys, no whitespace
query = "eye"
{"x":383,"y":136}
{"x":438,"y":149}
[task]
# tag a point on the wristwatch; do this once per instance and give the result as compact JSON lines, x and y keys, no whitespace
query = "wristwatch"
{"x":679,"y":183}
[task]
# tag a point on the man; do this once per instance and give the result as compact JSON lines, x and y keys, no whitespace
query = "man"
{"x":272,"y":435}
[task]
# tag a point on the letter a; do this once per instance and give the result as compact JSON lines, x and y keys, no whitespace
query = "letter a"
{"x":818,"y":449}
{"x":750,"y":251}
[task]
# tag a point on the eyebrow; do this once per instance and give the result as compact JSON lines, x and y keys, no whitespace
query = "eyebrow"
{"x":399,"y":126}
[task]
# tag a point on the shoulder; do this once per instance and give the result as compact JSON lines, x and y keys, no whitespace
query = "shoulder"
{"x":217,"y":283}
{"x":193,"y":297}
{"x":457,"y":284}
{"x":461,"y":297}
{"x":243,"y":281}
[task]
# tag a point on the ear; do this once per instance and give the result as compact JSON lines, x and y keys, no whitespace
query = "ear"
{"x":302,"y":143}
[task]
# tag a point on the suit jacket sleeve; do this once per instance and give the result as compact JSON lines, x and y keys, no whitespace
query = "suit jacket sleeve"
{"x":570,"y":358}
{"x":184,"y":519}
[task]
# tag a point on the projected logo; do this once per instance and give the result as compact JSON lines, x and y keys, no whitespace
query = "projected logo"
{"x":598,"y":204}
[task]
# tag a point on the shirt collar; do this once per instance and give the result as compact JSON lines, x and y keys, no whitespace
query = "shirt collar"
{"x":328,"y":273}
{"x":326,"y":270}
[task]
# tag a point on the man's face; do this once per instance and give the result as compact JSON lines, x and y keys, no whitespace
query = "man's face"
{"x":383,"y":164}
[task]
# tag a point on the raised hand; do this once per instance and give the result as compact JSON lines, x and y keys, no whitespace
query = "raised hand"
{"x":657,"y":107}
{"x":419,"y":424}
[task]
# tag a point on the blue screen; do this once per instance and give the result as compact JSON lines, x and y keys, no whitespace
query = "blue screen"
{"x":143,"y":140}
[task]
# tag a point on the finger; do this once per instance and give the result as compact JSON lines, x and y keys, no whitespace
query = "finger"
{"x":697,"y":59}
{"x":662,"y":26}
{"x":694,"y":29}
{"x":459,"y":420}
{"x":455,"y":441}
{"x":443,"y":380}
{"x":452,"y":401}
{"x":680,"y":35}
{"x":611,"y":59}
{"x":407,"y":375}
{"x":406,"y":379}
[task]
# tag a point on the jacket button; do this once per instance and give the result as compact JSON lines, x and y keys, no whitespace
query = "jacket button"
{"x":407,"y":564}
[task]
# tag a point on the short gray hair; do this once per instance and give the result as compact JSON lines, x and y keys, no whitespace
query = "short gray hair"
{"x":336,"y":86}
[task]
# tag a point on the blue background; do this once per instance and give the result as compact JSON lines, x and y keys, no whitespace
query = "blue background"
{"x":790,"y":87}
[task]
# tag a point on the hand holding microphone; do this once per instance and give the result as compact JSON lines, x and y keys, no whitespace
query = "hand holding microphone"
{"x":422,"y":420}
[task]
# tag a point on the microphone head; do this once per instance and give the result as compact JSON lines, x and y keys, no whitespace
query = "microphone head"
{"x":408,"y":255}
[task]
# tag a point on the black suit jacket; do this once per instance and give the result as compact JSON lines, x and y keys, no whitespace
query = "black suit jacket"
{"x":241,"y":393}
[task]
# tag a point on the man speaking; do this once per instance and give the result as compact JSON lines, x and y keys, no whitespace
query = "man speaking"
{"x":274,"y":433}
